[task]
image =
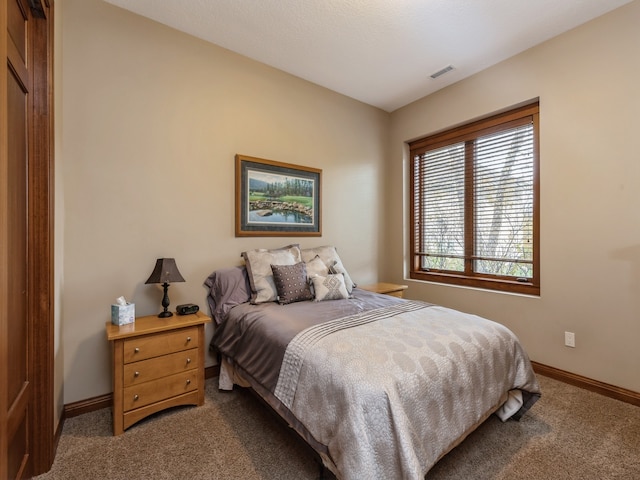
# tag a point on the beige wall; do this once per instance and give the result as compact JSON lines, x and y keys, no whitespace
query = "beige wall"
{"x":588,"y":84}
{"x":148,"y":123}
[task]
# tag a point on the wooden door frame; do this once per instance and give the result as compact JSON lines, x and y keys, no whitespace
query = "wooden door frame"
{"x":4,"y":234}
{"x":41,"y":235}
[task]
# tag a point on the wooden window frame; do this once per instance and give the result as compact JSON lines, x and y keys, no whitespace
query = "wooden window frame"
{"x":528,"y":113}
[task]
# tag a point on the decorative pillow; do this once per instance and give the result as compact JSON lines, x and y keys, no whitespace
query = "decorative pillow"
{"x":228,"y":287}
{"x":291,"y":283}
{"x":259,"y":263}
{"x":331,"y":287}
{"x":339,"y":268}
{"x":329,"y":255}
{"x":316,"y":266}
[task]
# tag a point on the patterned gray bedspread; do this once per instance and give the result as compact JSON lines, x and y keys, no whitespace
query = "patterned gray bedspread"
{"x":388,"y":391}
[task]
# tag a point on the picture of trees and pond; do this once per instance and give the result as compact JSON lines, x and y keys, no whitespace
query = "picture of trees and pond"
{"x":280,"y":199}
{"x":277,"y":198}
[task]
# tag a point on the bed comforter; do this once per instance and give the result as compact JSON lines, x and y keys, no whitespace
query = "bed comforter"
{"x":385,"y":387}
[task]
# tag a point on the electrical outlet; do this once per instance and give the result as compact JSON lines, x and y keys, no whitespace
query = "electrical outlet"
{"x":570,"y":339}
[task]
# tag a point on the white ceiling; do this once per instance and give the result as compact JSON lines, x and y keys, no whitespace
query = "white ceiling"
{"x":381,"y":52}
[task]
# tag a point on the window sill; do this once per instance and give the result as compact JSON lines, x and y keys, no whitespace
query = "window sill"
{"x":510,"y":286}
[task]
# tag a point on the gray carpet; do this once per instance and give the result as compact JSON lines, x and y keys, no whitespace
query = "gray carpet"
{"x":569,"y":434}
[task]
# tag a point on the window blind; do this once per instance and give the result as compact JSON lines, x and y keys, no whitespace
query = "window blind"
{"x":441,"y":195}
{"x":503,"y":199}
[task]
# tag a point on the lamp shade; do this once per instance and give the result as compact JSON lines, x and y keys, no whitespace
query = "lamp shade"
{"x":165,"y":271}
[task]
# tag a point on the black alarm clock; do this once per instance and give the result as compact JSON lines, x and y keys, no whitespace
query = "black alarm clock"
{"x":187,"y":309}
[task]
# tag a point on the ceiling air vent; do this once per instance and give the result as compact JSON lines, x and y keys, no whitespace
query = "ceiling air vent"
{"x":446,"y":69}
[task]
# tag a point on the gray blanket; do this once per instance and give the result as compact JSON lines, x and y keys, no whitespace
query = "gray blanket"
{"x":386,"y":391}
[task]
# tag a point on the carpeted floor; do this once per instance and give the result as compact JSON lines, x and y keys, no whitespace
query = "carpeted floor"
{"x":569,"y":434}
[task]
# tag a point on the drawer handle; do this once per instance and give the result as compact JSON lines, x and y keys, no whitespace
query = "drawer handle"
{"x":136,"y":374}
{"x":188,"y":360}
{"x":188,"y":339}
{"x":136,"y":350}
{"x":135,"y":397}
{"x":188,"y":381}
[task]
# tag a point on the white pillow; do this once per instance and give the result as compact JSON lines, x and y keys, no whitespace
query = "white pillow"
{"x":329,"y":255}
{"x":339,"y":268}
{"x":259,"y":261}
{"x":331,"y":287}
{"x":316,"y":266}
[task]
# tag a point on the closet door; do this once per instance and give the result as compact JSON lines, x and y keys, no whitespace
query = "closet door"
{"x":24,"y":305}
{"x":17,"y":389}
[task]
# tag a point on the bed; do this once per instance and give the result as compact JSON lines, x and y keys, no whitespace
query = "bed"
{"x":378,"y":386}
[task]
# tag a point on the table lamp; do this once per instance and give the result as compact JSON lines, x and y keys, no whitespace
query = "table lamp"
{"x":165,"y":272}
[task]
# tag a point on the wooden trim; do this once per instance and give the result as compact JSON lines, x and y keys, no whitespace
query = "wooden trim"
{"x":4,"y":234}
{"x":86,"y":406}
{"x":497,"y":284}
{"x":450,"y":135}
{"x":58,"y":432}
{"x":41,"y":248}
{"x":211,"y":372}
{"x":105,"y":401}
{"x":622,"y":394}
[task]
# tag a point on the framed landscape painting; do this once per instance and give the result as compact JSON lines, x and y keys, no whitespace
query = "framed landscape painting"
{"x":276,"y":199}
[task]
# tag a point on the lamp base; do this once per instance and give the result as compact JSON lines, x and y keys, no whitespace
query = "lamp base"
{"x":165,"y":314}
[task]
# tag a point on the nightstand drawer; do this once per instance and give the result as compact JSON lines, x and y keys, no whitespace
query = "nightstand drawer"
{"x":149,"y":346}
{"x":158,"y":367}
{"x":143,"y":394}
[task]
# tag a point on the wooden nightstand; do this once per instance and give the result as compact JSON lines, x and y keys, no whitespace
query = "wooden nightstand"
{"x":392,"y":289}
{"x":157,"y":363}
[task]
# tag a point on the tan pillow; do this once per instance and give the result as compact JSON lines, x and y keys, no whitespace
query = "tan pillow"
{"x":316,"y":266}
{"x":329,"y":255}
{"x":259,"y":262}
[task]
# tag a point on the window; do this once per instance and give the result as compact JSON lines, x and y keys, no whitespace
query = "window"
{"x":475,"y":204}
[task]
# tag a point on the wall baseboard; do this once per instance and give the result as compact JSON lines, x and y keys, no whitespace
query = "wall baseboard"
{"x":85,"y":406}
{"x":103,"y":401}
{"x":210,"y":372}
{"x":622,"y":394}
{"x":628,"y":396}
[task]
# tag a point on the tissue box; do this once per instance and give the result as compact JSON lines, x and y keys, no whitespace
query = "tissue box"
{"x":123,"y":314}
